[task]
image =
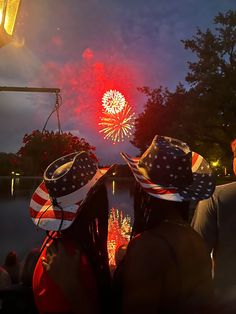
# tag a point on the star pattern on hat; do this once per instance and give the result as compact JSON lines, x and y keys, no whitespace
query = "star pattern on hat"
{"x":79,"y":173}
{"x":169,"y":163}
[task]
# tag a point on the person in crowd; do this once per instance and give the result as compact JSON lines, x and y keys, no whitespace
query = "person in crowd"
{"x":28,"y":267}
{"x":12,"y":266}
{"x":5,"y":283}
{"x":5,"y":279}
{"x":167,"y":268}
{"x":18,"y":298}
{"x":215,"y":221}
{"x":72,"y":205}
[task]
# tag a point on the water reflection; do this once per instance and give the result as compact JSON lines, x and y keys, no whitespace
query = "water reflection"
{"x":17,"y":186}
{"x":17,"y":231}
{"x":113,"y":186}
{"x":14,"y":183}
{"x":12,"y":186}
{"x":120,"y":194}
{"x":119,"y":230}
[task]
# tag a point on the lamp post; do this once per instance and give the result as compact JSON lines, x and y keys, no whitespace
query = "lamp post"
{"x":29,"y":89}
{"x":8,"y":15}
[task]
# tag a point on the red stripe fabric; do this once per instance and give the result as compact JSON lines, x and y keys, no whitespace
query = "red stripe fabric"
{"x":194,"y":158}
{"x":43,"y":187}
{"x":160,"y":191}
{"x":39,"y":200}
{"x":52,"y":214}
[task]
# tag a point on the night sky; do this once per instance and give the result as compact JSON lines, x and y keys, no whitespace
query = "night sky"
{"x":85,"y":47}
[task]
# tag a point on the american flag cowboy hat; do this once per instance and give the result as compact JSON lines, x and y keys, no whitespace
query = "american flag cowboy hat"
{"x":67,"y":182}
{"x":170,"y":171}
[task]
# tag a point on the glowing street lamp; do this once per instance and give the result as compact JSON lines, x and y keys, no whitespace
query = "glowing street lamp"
{"x":8,"y":15}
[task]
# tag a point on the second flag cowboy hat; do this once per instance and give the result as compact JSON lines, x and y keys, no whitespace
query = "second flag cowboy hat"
{"x":67,"y":183}
{"x":169,"y":170}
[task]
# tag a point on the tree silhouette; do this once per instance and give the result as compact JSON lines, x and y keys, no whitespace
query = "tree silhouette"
{"x":205,"y":114}
{"x":212,"y":79}
{"x":40,"y":148}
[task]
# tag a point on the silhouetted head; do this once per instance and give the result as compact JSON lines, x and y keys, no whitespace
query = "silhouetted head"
{"x":150,"y":211}
{"x":11,"y":259}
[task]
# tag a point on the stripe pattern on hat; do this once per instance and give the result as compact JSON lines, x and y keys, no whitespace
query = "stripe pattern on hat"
{"x":48,"y":216}
{"x":153,"y":189}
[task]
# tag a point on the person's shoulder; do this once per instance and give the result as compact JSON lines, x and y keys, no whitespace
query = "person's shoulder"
{"x":147,"y":254}
{"x":144,"y":238}
{"x":227,"y":189}
{"x":148,"y":244}
{"x":230,"y":185}
{"x":222,"y":192}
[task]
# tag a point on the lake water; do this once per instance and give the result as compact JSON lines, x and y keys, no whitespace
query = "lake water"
{"x":17,"y":231}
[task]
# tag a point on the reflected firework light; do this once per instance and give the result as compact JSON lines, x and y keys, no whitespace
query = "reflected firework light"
{"x":119,"y":230}
{"x":113,"y":101}
{"x":117,"y":127}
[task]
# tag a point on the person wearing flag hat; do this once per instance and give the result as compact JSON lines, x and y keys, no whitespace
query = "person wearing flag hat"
{"x":71,"y":205}
{"x":167,"y":268}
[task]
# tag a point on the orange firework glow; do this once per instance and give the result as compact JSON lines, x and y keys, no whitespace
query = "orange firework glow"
{"x":117,"y":126}
{"x":119,"y":230}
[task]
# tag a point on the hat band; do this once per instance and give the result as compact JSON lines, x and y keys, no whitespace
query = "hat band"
{"x":78,"y":195}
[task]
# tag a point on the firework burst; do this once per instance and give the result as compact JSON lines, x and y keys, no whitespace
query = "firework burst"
{"x":117,"y":126}
{"x":113,"y":101}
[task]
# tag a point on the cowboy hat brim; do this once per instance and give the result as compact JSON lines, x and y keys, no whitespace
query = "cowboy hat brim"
{"x":202,"y":186}
{"x":54,"y":217}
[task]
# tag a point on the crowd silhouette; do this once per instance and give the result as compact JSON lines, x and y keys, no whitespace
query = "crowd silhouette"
{"x":171,"y":264}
